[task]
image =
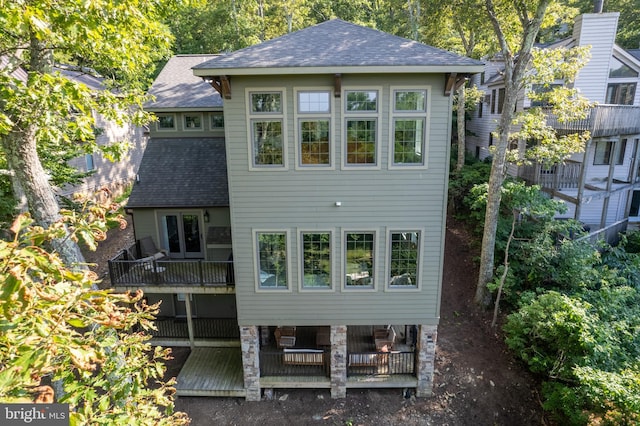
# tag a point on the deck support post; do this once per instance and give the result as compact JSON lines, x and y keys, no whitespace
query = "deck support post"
{"x":426,"y":352}
{"x":338,"y":361}
{"x":187,"y":306}
{"x":250,"y":344}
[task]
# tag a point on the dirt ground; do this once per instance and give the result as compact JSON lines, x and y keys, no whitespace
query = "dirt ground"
{"x":477,"y":381}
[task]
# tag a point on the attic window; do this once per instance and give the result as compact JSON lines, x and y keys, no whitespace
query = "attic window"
{"x":193,"y":122}
{"x":166,"y":121}
{"x":619,"y":70}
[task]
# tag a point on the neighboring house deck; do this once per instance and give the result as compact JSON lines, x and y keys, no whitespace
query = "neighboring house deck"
{"x":599,"y":186}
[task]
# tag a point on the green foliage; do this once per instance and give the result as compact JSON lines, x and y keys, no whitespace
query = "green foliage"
{"x":461,"y":182}
{"x":58,"y":328}
{"x":551,"y":334}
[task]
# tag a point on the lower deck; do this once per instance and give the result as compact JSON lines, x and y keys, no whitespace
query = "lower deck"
{"x":214,"y":367}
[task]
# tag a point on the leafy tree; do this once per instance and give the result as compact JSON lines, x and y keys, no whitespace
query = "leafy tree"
{"x":516,"y":38}
{"x":47,"y":112}
{"x":60,"y":332}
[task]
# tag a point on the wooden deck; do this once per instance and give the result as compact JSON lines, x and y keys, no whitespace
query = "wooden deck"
{"x":212,"y":372}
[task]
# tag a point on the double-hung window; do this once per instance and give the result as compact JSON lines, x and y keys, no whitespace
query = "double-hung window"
{"x":359,"y":252}
{"x":404,"y":259}
{"x":409,"y":126}
{"x":361,"y":112}
{"x":266,"y":127}
{"x":316,"y":260}
{"x":272,"y":262}
{"x":314,"y":128}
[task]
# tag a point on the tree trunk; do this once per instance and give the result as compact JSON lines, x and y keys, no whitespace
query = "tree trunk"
{"x":494,"y":196}
{"x":514,"y":71}
{"x":22,"y":157}
{"x":461,"y":129}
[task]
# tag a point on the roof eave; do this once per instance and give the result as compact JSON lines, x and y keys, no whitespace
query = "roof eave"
{"x":365,"y":69}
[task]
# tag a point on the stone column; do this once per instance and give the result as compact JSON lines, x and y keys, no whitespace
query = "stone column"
{"x":250,"y":346}
{"x":338,"y":361}
{"x":426,"y":352}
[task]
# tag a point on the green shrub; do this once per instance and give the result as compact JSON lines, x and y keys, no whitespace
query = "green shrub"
{"x":552,"y":334}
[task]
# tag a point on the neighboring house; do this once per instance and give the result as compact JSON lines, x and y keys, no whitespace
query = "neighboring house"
{"x":336,"y":145}
{"x":104,"y":173}
{"x":600,"y":186}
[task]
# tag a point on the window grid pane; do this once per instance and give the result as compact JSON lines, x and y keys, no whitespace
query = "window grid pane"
{"x":317,"y":102}
{"x":314,"y":142}
{"x":267,"y":142}
{"x":316,"y":260}
{"x":266,"y":102}
{"x":362,"y":101}
{"x":166,"y":122}
{"x":192,"y":121}
{"x":359,"y":259}
{"x":404,"y":259}
{"x":410,"y":100}
{"x":272,"y":256}
{"x":361,"y":141}
{"x":217,"y":121}
{"x":408,"y":137}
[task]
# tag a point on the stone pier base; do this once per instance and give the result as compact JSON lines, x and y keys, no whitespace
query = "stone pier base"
{"x":426,"y":349}
{"x":338,"y":361}
{"x":250,"y":345}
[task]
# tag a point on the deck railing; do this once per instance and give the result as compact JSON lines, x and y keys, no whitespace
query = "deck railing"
{"x":558,"y":176}
{"x":203,"y":328}
{"x":603,"y":120}
{"x":381,"y":363}
{"x":126,"y":272}
{"x":294,"y":363}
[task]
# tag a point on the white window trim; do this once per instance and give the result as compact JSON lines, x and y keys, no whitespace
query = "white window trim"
{"x":343,"y":261}
{"x":387,"y":268}
{"x":301,"y":287}
{"x":426,"y":115}
{"x":192,"y":129}
{"x":256,"y":262}
{"x":175,"y":122}
{"x":346,"y":115}
{"x":297,"y":116}
{"x":267,"y":116}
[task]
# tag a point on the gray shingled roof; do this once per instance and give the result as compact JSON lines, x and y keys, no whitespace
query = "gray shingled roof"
{"x":91,"y":81}
{"x":336,"y":44}
{"x":635,"y":52}
{"x":182,"y":172}
{"x":177,"y":88}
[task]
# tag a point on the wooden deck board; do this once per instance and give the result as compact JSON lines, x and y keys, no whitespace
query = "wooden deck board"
{"x":212,"y":372}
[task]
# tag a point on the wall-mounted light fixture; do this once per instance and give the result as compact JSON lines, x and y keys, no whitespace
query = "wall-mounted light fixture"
{"x":206,"y":216}
{"x":338,"y":203}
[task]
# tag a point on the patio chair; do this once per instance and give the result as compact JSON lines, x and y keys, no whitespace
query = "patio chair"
{"x":148,"y":249}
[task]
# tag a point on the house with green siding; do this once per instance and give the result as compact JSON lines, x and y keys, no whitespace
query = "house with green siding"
{"x":324,"y":261}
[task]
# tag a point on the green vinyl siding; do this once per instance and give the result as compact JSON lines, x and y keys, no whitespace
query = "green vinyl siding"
{"x":375,"y":200}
